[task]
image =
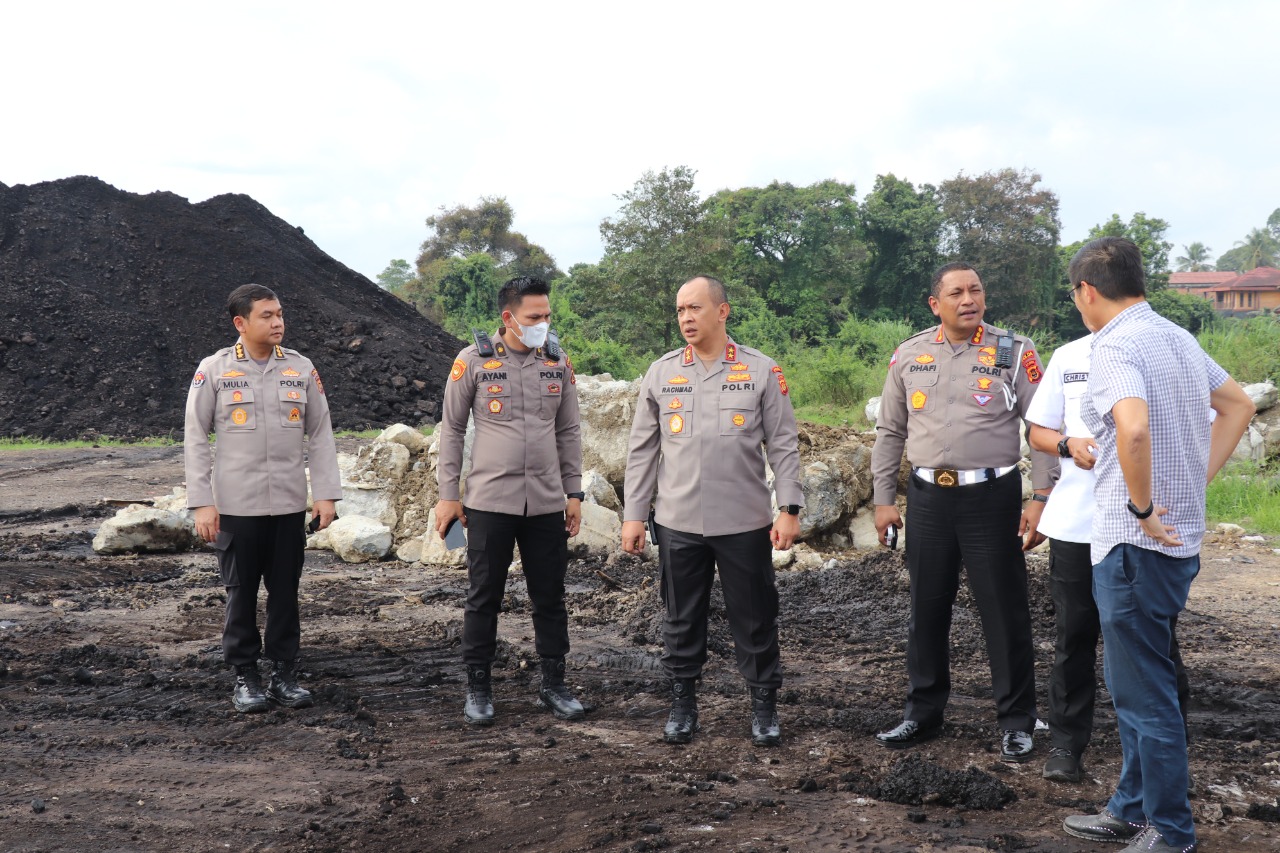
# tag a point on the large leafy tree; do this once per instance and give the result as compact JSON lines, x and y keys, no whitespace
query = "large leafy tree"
{"x":396,"y":277}
{"x":901,"y":227}
{"x":463,"y":231}
{"x":1007,"y":227}
{"x":1195,"y":258}
{"x":461,"y":234}
{"x":796,"y":247}
{"x":1259,"y":249}
{"x":659,"y":239}
{"x":1148,"y":233}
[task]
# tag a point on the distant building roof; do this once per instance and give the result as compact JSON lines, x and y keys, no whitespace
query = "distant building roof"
{"x":1200,"y":279}
{"x":1258,"y":278}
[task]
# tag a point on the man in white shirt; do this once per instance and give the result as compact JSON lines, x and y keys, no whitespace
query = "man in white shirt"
{"x":1057,"y":427}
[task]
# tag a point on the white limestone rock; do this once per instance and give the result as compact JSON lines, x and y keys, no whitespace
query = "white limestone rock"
{"x":782,"y":559}
{"x":872,"y":410}
{"x":404,"y":435}
{"x":599,"y":491}
{"x":138,"y":528}
{"x":1263,"y":394}
{"x":1252,"y":447}
{"x":599,"y":534}
{"x":432,"y":549}
{"x":357,"y":539}
{"x":607,"y":407}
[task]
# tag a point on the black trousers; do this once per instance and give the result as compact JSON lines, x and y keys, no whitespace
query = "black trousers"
{"x":253,"y":550}
{"x":975,"y":525}
{"x":1073,"y":683}
{"x":688,"y":563}
{"x":544,"y":554}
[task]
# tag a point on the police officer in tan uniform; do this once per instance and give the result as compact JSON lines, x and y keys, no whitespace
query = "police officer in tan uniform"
{"x":955,"y":396}
{"x":524,"y":486}
{"x":706,"y":416}
{"x":261,"y":400}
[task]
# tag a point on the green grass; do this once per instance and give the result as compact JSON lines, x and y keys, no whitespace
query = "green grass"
{"x":1246,"y":495}
{"x":831,"y":415}
{"x":25,"y":443}
{"x":1249,"y":349}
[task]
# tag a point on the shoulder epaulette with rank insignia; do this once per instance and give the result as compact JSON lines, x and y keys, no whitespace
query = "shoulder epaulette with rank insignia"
{"x":279,"y":351}
{"x":484,"y":345}
{"x":240,"y":354}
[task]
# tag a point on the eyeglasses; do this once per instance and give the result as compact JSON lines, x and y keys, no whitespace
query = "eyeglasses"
{"x":1071,"y":294}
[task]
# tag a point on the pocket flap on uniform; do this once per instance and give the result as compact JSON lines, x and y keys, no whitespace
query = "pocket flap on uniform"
{"x":235,"y":396}
{"x":293,"y":395}
{"x":675,"y":402}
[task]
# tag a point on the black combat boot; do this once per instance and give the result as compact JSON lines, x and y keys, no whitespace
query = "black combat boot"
{"x":478,"y":709}
{"x":553,"y":692}
{"x":284,"y":688}
{"x":682,"y":722}
{"x":765,"y":729}
{"x":248,"y":696}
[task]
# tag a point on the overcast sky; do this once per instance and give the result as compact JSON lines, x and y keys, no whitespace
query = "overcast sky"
{"x":356,"y":121}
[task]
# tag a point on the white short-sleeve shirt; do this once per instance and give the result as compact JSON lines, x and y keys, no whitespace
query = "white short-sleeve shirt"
{"x":1069,"y":514}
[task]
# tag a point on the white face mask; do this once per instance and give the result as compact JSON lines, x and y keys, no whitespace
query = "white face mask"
{"x":532,"y":336}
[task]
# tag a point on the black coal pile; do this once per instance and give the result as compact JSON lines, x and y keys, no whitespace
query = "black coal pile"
{"x":108,"y":300}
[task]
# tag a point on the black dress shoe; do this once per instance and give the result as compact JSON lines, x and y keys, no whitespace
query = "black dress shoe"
{"x":1063,"y":766}
{"x":1016,"y":747}
{"x":909,"y":733}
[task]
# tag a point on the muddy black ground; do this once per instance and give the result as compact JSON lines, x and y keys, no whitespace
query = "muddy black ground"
{"x":109,"y":299}
{"x":117,"y":733}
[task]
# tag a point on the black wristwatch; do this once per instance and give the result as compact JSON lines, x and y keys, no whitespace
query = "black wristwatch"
{"x":1141,"y":513}
{"x":791,"y":509}
{"x":577,"y":495}
{"x":1063,"y":450}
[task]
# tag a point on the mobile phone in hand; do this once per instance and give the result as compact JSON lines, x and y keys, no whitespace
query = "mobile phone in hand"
{"x":314,"y":526}
{"x":454,"y":536}
{"x":891,"y":537}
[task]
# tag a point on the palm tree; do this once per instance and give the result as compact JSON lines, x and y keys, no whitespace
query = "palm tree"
{"x":1260,"y":249}
{"x":1196,"y":258}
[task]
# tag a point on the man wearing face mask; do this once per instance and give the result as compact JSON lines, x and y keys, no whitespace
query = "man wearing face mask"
{"x":524,"y":487}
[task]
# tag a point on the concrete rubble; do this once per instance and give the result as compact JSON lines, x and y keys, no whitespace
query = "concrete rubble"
{"x":390,"y":490}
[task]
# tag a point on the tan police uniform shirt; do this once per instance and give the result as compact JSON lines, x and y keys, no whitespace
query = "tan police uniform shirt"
{"x":701,"y":437}
{"x":955,"y":409}
{"x":527,"y":453}
{"x":260,"y":416}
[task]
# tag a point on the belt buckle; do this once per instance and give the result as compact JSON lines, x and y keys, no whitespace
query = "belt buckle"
{"x":946,"y":477}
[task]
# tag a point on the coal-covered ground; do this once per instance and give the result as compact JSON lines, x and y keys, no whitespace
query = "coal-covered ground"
{"x":117,"y":733}
{"x":109,"y":299}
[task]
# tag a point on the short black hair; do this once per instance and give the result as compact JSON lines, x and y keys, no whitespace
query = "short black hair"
{"x":1112,"y":266}
{"x":715,"y":288}
{"x":516,"y":289}
{"x":954,"y":266}
{"x":240,"y":302}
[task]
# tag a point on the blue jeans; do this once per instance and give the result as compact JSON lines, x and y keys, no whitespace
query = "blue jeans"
{"x":1140,"y":594}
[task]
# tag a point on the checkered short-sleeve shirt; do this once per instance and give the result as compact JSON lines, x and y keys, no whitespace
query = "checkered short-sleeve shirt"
{"x":1140,"y":354}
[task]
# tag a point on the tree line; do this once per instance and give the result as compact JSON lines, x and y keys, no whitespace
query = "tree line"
{"x":825,"y":283}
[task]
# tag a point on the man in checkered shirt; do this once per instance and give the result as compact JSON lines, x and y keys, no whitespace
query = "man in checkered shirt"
{"x":1150,"y":391}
